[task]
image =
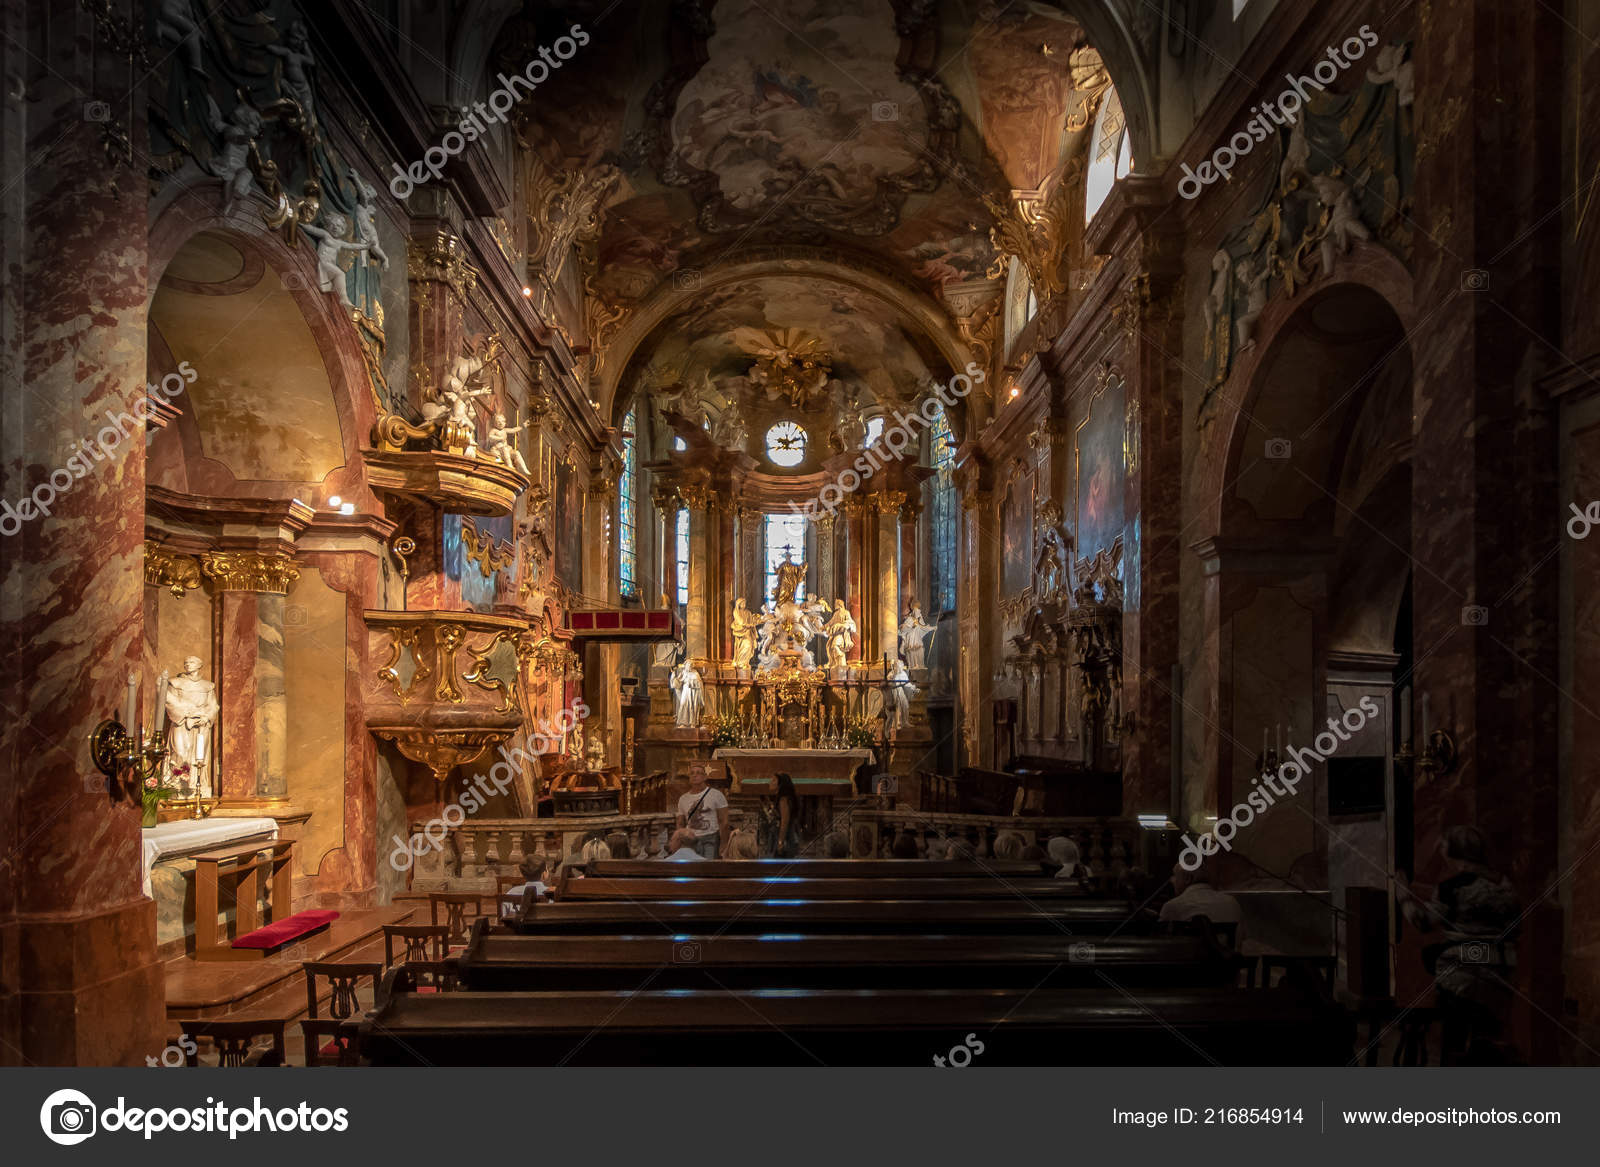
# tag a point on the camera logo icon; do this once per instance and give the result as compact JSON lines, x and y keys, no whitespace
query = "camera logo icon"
{"x":1475,"y":615}
{"x":686,"y":280}
{"x":686,"y":952}
{"x":292,"y":281}
{"x":294,"y":616}
{"x":1279,"y":449}
{"x":1475,"y":279}
{"x":1475,"y":952}
{"x":885,"y":111}
{"x":1080,"y":953}
{"x":67,"y":1117}
{"x":96,"y":111}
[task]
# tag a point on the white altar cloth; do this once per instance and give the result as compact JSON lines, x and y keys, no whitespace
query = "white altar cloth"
{"x":185,"y":835}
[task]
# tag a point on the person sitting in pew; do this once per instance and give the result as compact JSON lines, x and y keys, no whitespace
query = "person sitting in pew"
{"x":742,"y":844}
{"x":905,"y":845}
{"x":1197,"y":897}
{"x":682,"y":849}
{"x":532,"y":890}
{"x":1068,"y":860}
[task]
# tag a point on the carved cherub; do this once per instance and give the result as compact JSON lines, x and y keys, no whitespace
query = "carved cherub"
{"x":501,"y":446}
{"x":365,"y":214}
{"x":295,"y":53}
{"x":1392,"y":65}
{"x":1344,"y":223}
{"x":329,"y":246}
{"x":232,"y":163}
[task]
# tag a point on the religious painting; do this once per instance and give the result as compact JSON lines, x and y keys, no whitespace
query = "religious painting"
{"x":1100,"y":450}
{"x":569,"y":527}
{"x":1016,"y":518}
{"x":480,"y":555}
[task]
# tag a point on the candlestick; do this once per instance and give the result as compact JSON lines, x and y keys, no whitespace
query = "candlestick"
{"x":130,"y":704}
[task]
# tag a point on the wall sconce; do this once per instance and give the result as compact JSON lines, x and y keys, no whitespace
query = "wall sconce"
{"x":114,"y":751}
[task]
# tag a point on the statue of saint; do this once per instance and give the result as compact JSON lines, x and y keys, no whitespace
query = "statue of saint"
{"x":790,"y":576}
{"x":743,"y":626}
{"x":191,"y":710}
{"x":841,"y":633}
{"x":898,"y":713}
{"x":688,"y":695}
{"x":914,"y":633}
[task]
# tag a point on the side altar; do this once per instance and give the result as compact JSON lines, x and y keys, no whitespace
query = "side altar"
{"x":820,"y":773}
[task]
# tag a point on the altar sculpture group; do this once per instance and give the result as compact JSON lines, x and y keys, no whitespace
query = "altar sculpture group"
{"x":781,"y":635}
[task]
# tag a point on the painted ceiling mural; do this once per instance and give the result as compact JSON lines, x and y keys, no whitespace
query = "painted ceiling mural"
{"x":865,"y":125}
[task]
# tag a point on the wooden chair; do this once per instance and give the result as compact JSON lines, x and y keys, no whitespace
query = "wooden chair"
{"x":233,"y":1040}
{"x":455,"y":904}
{"x":331,"y":1043}
{"x":343,"y":977}
{"x":421,"y":941}
{"x":436,"y":976}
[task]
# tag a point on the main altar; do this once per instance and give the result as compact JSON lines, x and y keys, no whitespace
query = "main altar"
{"x":818,"y":773}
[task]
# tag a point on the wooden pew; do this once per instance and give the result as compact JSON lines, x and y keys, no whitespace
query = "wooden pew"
{"x":1103,"y":1026}
{"x":813,"y":868}
{"x":684,"y":887}
{"x":498,"y":962}
{"x":1009,"y":914}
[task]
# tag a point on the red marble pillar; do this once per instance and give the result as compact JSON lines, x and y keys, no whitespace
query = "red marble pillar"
{"x":238,"y":640}
{"x":722,"y":512}
{"x":81,"y":984}
{"x":1487,"y":263}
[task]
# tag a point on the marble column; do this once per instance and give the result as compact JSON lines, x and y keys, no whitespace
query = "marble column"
{"x":251,"y":739}
{"x":853,"y":530}
{"x":886,"y":576}
{"x":1485,"y":589}
{"x":911,"y":556}
{"x":722,"y":520}
{"x":81,"y":983}
{"x":976,"y":597}
{"x":827,"y":579}
{"x":697,"y":631}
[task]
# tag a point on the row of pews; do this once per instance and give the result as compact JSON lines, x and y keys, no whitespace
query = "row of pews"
{"x":843,"y":962}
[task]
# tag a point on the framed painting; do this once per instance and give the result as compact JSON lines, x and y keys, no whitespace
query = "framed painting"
{"x":1100,"y":452}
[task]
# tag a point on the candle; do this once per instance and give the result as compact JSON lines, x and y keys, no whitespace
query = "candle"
{"x":161,"y":702}
{"x":200,"y":746}
{"x":130,"y":704}
{"x":1263,"y":741}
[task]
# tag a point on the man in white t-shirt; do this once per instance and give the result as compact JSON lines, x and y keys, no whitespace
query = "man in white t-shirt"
{"x":703,"y":811}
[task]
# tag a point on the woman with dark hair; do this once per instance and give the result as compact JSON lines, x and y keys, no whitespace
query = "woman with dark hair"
{"x":786,"y":818}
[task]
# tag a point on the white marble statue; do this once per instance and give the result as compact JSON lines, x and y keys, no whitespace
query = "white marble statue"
{"x":841,"y":632}
{"x":914,"y":633}
{"x":366,"y":217}
{"x":812,"y":621}
{"x":1217,"y":298}
{"x":232,"y":163}
{"x":768,"y":621}
{"x":688,"y":695}
{"x":898,"y":713}
{"x":1344,"y":222}
{"x":1392,"y":65}
{"x":331,"y":244}
{"x":744,"y":626}
{"x":501,"y":444}
{"x":1297,"y":155}
{"x":191,"y":713}
{"x":1255,"y":301}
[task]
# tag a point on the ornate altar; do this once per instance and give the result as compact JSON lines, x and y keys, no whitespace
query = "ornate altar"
{"x":822,"y":773}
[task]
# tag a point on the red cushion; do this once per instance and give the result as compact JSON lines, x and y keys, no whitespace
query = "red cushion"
{"x":289,"y":928}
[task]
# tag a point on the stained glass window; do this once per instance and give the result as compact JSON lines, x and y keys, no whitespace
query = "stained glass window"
{"x":683,"y":557}
{"x":627,"y":519}
{"x":785,"y":532}
{"x":942,"y":515}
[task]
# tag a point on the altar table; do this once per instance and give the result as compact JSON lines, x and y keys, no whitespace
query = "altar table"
{"x":818,"y":773}
{"x":190,"y":835}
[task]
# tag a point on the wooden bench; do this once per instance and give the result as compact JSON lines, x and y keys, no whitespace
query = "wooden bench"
{"x":248,"y":863}
{"x":686,"y":887}
{"x":501,"y":962}
{"x":1103,"y":1026}
{"x":812,"y":868}
{"x":822,"y":917}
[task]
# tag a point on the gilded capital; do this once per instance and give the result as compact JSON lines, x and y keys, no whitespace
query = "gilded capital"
{"x":163,"y":568}
{"x":250,"y":571}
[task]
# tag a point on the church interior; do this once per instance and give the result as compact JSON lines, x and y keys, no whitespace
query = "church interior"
{"x":753,"y":532}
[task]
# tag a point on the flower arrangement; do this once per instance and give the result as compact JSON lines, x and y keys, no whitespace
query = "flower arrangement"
{"x":725,"y":730}
{"x":859,"y":733}
{"x":154,"y":794}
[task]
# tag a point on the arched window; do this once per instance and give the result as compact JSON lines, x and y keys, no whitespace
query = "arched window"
{"x":785,"y":532}
{"x":942,"y":516}
{"x":627,"y":517}
{"x":683,"y":557}
{"x":1110,"y":154}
